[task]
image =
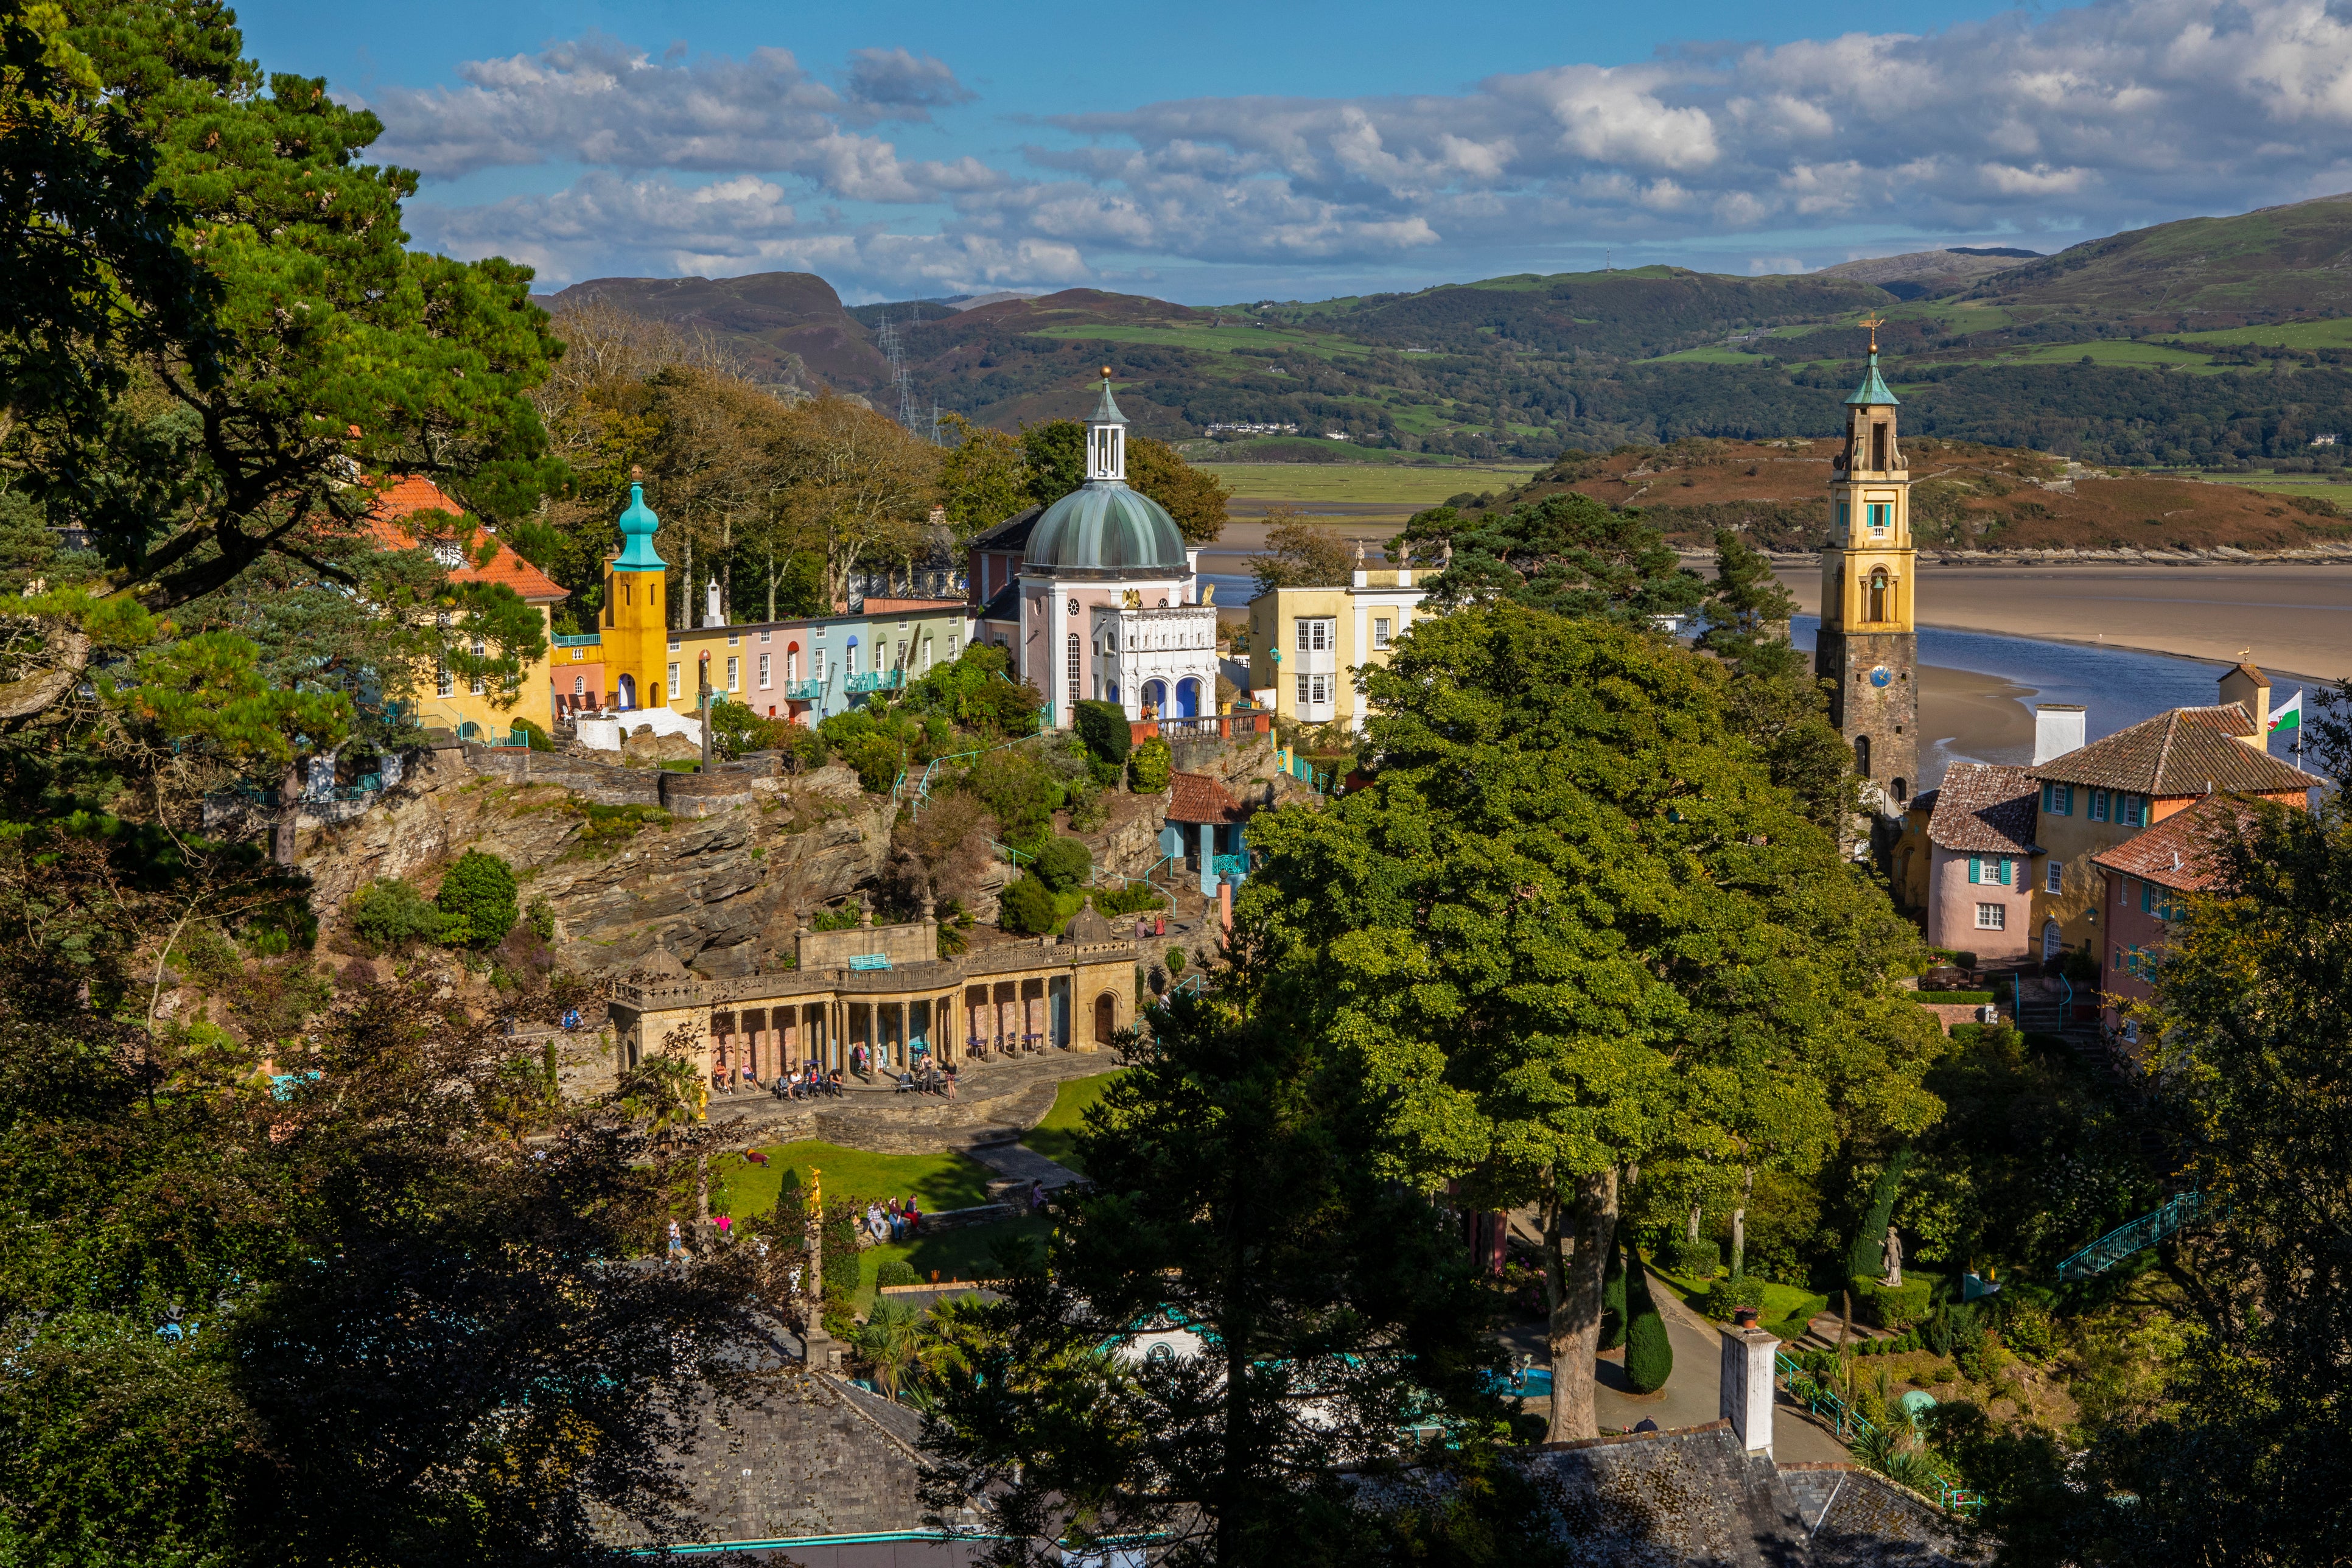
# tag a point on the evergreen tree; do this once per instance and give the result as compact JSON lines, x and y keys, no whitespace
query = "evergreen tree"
{"x":1311,"y":1308}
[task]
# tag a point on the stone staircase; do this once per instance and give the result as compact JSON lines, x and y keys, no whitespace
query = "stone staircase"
{"x":1822,"y":1334}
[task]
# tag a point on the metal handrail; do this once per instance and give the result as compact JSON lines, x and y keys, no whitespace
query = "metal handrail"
{"x":804,"y":690}
{"x":2174,"y":1215}
{"x":1952,"y":1499}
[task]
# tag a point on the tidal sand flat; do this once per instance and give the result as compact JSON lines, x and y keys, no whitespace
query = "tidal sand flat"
{"x":1964,"y":714}
{"x":2295,"y":620}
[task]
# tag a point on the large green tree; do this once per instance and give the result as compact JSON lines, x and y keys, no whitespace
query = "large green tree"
{"x":1054,"y":455}
{"x":313,"y":347}
{"x":1567,"y":554}
{"x":1305,"y":1309}
{"x":1571,"y":926}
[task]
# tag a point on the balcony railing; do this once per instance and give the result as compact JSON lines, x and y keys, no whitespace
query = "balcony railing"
{"x":879,"y":680}
{"x":804,"y":690}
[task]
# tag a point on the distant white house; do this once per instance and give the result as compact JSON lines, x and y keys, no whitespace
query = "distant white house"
{"x":2324,"y":440}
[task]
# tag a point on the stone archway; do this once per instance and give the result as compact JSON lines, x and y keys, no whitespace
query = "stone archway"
{"x":1188,"y":698}
{"x":625,"y":692}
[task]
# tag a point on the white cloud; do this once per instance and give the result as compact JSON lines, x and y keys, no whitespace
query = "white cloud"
{"x":2120,"y":112}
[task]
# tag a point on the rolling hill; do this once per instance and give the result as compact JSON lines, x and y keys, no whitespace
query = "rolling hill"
{"x":2215,"y":343}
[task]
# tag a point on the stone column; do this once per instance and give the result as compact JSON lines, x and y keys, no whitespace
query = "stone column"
{"x":1208,"y":857}
{"x":1746,"y":1391}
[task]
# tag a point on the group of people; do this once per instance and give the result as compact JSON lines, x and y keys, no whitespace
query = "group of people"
{"x":892,"y":1221}
{"x":809,"y":1083}
{"x":927,"y":1077}
{"x":727,"y":1080}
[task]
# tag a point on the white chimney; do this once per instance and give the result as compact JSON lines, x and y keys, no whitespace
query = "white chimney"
{"x":713,"y":616}
{"x":2057,"y":730}
{"x":1747,"y":1387}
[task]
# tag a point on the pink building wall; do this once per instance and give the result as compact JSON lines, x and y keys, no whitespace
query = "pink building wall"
{"x":1952,"y":901}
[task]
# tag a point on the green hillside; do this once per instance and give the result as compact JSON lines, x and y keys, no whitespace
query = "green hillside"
{"x":2215,"y":342}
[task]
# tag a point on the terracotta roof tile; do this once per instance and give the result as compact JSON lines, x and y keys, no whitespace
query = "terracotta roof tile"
{"x":1201,"y":798}
{"x":872,"y":606}
{"x":411,"y":494}
{"x":2183,"y":751}
{"x":1985,"y":807}
{"x":2177,"y":853}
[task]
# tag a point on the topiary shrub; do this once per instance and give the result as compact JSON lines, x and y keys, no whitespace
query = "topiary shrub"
{"x":479,"y":897}
{"x":1649,"y":1354}
{"x":1893,"y":1307}
{"x":1149,"y":768}
{"x":1693,"y":1259}
{"x":1025,"y":908}
{"x":1103,"y":726}
{"x":895,"y":1271}
{"x":388,"y":914}
{"x":1063,"y":864}
{"x":1730,"y":1295}
{"x":1612,"y":1303}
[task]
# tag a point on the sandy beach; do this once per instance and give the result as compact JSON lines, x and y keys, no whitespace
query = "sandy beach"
{"x":1971,"y":715}
{"x":2292,"y":620}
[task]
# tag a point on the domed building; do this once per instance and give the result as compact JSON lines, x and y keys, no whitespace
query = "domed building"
{"x":1097,"y":596}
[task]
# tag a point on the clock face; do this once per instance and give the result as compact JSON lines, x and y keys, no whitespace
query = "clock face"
{"x":1880,"y":676}
{"x":1074,"y":607}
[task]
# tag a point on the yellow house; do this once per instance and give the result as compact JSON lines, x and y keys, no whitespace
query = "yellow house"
{"x":444,"y":701}
{"x":1305,"y":644}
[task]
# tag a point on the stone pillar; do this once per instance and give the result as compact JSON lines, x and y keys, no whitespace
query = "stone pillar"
{"x":1747,"y":1393}
{"x":1226,"y":904}
{"x":1208,"y":857}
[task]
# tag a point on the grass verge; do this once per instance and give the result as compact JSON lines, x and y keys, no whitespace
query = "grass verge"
{"x":1788,"y":1309}
{"x":1057,"y":1136}
{"x":947,"y":1180}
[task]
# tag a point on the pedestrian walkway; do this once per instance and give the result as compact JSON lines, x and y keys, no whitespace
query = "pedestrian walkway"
{"x":1021,"y":1163}
{"x":995,"y":1103}
{"x":1693,"y":1392}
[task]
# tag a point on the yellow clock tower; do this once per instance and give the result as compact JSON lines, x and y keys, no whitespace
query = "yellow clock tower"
{"x":636,"y":631}
{"x":1869,"y":642}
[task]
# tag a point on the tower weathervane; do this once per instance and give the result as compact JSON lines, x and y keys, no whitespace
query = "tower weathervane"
{"x":1874,"y":321}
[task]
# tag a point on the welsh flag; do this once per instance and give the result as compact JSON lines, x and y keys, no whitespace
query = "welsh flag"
{"x":2288,"y":719}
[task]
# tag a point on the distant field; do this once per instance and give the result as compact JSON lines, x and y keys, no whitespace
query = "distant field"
{"x":2329,"y":334}
{"x":2284,"y":484}
{"x":1309,"y":484}
{"x":1256,"y":339}
{"x":1713,"y":354}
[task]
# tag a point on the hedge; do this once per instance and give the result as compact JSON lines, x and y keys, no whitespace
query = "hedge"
{"x":1649,"y":1354}
{"x":1612,"y":1303}
{"x":1103,"y":727}
{"x":1895,"y":1307}
{"x":1729,"y":1295}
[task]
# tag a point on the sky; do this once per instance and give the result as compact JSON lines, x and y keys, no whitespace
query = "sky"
{"x":1225,"y":152}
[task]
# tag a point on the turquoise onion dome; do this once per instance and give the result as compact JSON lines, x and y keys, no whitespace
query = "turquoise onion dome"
{"x":1872,"y":392}
{"x":637,"y":525}
{"x":1103,"y":526}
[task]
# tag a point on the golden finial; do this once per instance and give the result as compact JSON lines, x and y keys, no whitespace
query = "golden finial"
{"x":1874,"y":321}
{"x":1106,"y":373}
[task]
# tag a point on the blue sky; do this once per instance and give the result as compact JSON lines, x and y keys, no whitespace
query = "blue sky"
{"x":1224,"y":152}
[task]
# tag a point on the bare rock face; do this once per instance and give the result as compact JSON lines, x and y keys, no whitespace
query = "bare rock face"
{"x":646,"y":748}
{"x":724,"y":893}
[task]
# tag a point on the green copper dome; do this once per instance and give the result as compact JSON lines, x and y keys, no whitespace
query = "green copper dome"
{"x":1873,"y":391}
{"x":1103,"y":526}
{"x":637,"y":525}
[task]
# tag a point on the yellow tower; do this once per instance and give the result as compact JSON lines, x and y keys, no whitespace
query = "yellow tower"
{"x":1869,"y":642}
{"x":636,"y":630}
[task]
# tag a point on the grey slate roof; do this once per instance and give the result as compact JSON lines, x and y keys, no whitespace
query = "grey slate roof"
{"x":1987,"y":809}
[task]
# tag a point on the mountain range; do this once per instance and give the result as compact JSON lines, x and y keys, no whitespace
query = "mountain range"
{"x":2212,"y":341}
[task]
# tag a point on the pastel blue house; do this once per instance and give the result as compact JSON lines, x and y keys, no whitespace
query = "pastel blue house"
{"x":1203,"y":831}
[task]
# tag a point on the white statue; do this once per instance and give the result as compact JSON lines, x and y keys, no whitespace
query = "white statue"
{"x":1894,"y":1258}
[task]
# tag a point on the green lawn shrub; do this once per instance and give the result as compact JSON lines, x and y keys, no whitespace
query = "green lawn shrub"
{"x":1729,"y":1295}
{"x":1693,"y":1259}
{"x":1063,"y":864}
{"x":1896,"y":1307}
{"x":1649,"y":1354}
{"x":895,"y":1271}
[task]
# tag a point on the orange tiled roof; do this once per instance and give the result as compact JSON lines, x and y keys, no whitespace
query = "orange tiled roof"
{"x":873,"y":606}
{"x":2177,"y":853}
{"x":1198,"y":797}
{"x":2182,"y":750}
{"x":410,"y":494}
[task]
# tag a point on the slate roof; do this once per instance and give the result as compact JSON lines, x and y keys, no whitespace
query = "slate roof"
{"x":2183,"y":751}
{"x":1198,"y":797}
{"x":1985,"y":809}
{"x":2177,"y":852}
{"x":412,"y":494}
{"x":1012,"y":534}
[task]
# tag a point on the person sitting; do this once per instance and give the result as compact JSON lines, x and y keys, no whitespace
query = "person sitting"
{"x":833,"y":1085}
{"x":912,"y":1214}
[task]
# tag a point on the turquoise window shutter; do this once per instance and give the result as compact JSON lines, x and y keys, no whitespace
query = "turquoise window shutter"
{"x":1976,"y":869}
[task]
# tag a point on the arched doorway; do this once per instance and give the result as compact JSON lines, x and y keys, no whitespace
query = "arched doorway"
{"x":1899,"y":791}
{"x":625,"y":693}
{"x":1155,"y":698}
{"x":1105,"y":1011}
{"x":1188,"y":698}
{"x":2053,"y":944}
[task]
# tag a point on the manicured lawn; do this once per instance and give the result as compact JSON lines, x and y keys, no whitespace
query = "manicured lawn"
{"x":1971,"y":998}
{"x":967,"y":1253}
{"x":1787,"y":1308}
{"x":1057,"y":1136}
{"x":851,"y":1175}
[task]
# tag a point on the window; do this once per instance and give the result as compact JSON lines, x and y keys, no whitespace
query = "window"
{"x":673,"y":676}
{"x":2057,"y":874}
{"x":1321,"y":694}
{"x":673,"y":647}
{"x":1878,"y":592}
{"x":1302,"y":691}
{"x":927,"y":653}
{"x":441,"y":683}
{"x":578,"y":654}
{"x":734,"y":639}
{"x":1861,"y":755}
{"x":763,"y":671}
{"x":1303,"y":625}
{"x":734,"y":673}
{"x":2131,"y":809}
{"x":951,"y":646}
{"x":2099,"y":806}
{"x":2147,"y":897}
{"x":2058,"y":799}
{"x":817,"y":665}
{"x":1380,"y":631}
{"x":2123,"y":892}
{"x":1845,"y":517}
{"x":1990,"y":870}
{"x":1882,"y":516}
{"x":579,"y":685}
{"x":765,"y":636}
{"x":1072,"y":683}
{"x":1878,"y":447}
{"x":1992,"y":916}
